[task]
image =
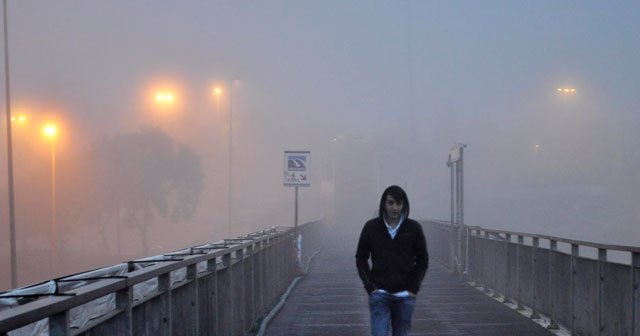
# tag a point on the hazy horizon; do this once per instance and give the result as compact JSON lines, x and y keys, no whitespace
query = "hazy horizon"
{"x":378,"y":91}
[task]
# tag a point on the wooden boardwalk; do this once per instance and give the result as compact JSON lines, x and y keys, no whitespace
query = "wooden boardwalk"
{"x":330,"y":300}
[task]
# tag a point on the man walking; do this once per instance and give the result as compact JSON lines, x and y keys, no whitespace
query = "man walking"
{"x":399,"y":261}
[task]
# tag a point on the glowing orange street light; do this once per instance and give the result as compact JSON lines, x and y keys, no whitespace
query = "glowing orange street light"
{"x":165,"y":98}
{"x":51,"y":131}
{"x":21,"y":119}
{"x":566,"y":90}
{"x":536,"y":149}
{"x":165,"y":101}
{"x":217,"y":91}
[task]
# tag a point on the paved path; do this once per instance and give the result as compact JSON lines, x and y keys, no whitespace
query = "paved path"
{"x":330,"y":300}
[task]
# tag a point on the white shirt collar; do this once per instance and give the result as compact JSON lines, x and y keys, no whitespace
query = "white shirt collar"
{"x":393,"y":231}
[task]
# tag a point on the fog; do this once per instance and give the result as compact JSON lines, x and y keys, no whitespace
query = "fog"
{"x":378,"y":91}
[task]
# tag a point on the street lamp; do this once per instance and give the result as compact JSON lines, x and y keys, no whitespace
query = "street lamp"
{"x":20,"y":119}
{"x":165,"y":101}
{"x":51,"y":131}
{"x":566,"y":90}
{"x":165,"y":98}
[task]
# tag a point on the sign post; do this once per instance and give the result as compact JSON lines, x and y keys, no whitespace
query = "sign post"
{"x":455,"y":163}
{"x":296,"y":174}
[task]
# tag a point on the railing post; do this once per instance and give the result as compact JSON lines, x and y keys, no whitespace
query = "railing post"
{"x":271,"y":270}
{"x":225,"y":301}
{"x":192,"y":275}
{"x":249,"y":293}
{"x":477,"y":258}
{"x":470,"y":261}
{"x":288,"y":247}
{"x":457,"y":241}
{"x":553,"y":249}
{"x":518,"y":270}
{"x":275,"y":268}
{"x":481,"y":259}
{"x":123,"y":303}
{"x":59,"y":324}
{"x":284,"y":256}
{"x":453,"y":237}
{"x":164,"y":287}
{"x":507,"y":274}
{"x":260,"y":283}
{"x":449,"y":239}
{"x":635,"y":293}
{"x":486,"y":243}
{"x":297,"y":267}
{"x":268,"y":269}
{"x":602,"y":259}
{"x":495,"y":273}
{"x":237,"y":285}
{"x":209,"y":322}
{"x":534,"y":249}
{"x":466,"y":251}
{"x":575,"y":253}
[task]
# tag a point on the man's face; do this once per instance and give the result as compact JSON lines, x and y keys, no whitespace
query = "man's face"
{"x":393,"y":208}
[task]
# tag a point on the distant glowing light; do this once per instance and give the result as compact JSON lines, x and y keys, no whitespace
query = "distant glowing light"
{"x":217,"y":91}
{"x":165,"y":98}
{"x":19,"y":119}
{"x":567,"y":90}
{"x":536,"y":149}
{"x":50,"y":130}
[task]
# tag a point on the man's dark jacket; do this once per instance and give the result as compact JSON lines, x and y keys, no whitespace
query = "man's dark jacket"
{"x":397,"y":264}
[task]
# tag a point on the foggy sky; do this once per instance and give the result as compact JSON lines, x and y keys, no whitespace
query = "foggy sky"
{"x":396,"y":83}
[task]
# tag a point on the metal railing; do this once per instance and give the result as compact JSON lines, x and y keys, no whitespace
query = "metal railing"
{"x":571,"y":282}
{"x":225,"y":289}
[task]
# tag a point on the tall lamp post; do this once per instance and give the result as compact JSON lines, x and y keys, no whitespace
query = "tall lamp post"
{"x":217,"y":92}
{"x":51,"y":132}
{"x":12,"y":216}
{"x":455,"y":163}
{"x":230,"y":169}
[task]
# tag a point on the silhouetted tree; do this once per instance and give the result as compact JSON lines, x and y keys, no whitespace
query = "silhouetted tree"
{"x":144,"y":175}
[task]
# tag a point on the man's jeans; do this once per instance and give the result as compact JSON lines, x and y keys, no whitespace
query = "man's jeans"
{"x":387,"y":308}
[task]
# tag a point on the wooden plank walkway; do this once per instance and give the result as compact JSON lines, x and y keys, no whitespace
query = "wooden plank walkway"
{"x":330,"y":300}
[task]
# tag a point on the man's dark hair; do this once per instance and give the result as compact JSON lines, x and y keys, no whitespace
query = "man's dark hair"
{"x":399,"y":195}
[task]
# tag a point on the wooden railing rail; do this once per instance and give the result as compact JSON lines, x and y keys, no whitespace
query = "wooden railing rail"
{"x":222,"y":288}
{"x":573,"y":283}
